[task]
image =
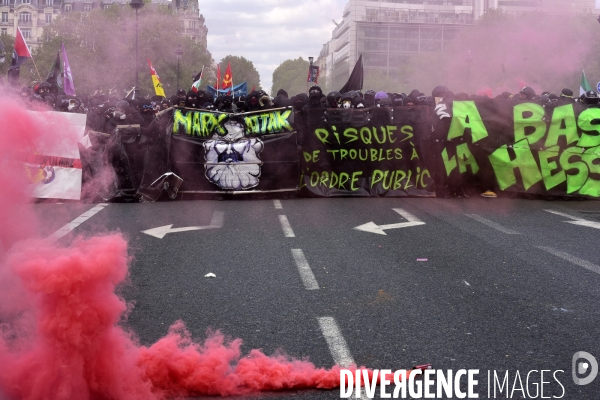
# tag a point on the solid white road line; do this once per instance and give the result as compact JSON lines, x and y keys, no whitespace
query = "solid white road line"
{"x":285,"y":225}
{"x":492,"y":224}
{"x":308,"y":278}
{"x":277,"y":204}
{"x":572,"y":259}
{"x":336,"y":342}
{"x":76,"y":222}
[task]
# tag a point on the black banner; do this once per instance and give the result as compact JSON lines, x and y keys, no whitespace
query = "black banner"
{"x":221,"y":152}
{"x":520,"y":147}
{"x":365,"y":152}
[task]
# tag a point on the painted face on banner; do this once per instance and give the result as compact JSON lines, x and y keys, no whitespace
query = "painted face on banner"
{"x":232,"y":161}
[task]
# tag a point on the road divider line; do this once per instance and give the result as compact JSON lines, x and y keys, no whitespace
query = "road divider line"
{"x":308,"y":278}
{"x":277,"y":204}
{"x":335,"y":341}
{"x":285,"y":225}
{"x":337,"y":345}
{"x":572,"y":259}
{"x":76,"y":222}
{"x":492,"y":224}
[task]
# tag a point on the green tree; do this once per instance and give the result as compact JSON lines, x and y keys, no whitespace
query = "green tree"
{"x":9,"y":42}
{"x":290,"y":76}
{"x":242,"y":70}
{"x":101,"y":48}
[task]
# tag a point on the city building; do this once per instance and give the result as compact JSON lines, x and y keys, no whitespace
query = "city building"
{"x":388,"y":32}
{"x":33,"y":15}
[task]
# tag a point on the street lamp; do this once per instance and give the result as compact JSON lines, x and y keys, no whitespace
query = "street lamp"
{"x":136,"y":5}
{"x":310,"y":64}
{"x":178,"y":53}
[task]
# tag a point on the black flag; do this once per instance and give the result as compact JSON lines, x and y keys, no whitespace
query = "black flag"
{"x":355,"y":82}
{"x":54,"y":77}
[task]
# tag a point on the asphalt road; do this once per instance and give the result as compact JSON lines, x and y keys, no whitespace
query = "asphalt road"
{"x":503,"y":284}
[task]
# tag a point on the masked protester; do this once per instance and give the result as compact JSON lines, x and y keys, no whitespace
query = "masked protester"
{"x":314,"y":99}
{"x":281,"y":100}
{"x":146,"y":110}
{"x":265,"y":102}
{"x":226,"y":104}
{"x":590,"y":98}
{"x":123,"y":114}
{"x":164,"y":104}
{"x":252,"y":103}
{"x":192,"y":100}
{"x":333,"y":99}
{"x":347,"y":101}
{"x":41,"y":90}
{"x":299,"y":101}
{"x":527,"y":93}
{"x":202,"y":97}
{"x":181,"y":98}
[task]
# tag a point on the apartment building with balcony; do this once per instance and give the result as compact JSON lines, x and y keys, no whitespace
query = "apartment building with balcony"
{"x":32,"y":15}
{"x":388,"y":32}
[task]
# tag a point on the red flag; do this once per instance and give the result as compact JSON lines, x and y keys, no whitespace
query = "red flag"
{"x":21,"y":51}
{"x":227,"y":79}
{"x":218,"y":77}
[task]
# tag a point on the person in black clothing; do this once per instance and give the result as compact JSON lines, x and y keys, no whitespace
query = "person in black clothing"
{"x":315,"y":93}
{"x":123,"y":114}
{"x":299,"y":101}
{"x":252,"y":102}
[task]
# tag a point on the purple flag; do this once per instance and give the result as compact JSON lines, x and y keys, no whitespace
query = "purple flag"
{"x":68,"y":85}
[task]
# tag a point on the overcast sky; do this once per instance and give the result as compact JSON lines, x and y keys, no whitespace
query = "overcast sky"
{"x":268,"y":32}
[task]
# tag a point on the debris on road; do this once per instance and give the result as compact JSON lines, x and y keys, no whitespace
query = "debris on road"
{"x":210,"y":275}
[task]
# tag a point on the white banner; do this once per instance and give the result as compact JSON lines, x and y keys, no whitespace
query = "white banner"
{"x":55,"y":170}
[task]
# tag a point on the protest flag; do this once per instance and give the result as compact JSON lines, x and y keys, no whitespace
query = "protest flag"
{"x":198,"y":81}
{"x":584,"y":85}
{"x":227,"y":79}
{"x":68,"y":84}
{"x":158,"y":88}
{"x":355,"y":81}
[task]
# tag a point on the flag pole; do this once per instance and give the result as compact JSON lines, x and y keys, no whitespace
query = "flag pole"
{"x":36,"y":69}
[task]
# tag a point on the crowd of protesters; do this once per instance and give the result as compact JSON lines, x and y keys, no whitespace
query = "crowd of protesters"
{"x":106,"y":112}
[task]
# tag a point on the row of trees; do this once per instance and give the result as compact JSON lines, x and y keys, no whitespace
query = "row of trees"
{"x":101,"y":49}
{"x":501,"y":52}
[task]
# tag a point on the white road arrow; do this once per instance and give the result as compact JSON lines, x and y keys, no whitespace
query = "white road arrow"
{"x":576,"y":220}
{"x":374,"y":228}
{"x":162,"y":231}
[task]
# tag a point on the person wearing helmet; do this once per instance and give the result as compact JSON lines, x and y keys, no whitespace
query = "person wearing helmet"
{"x":590,"y":98}
{"x":527,"y":93}
{"x":369,"y":98}
{"x":378,"y":96}
{"x":333,"y":99}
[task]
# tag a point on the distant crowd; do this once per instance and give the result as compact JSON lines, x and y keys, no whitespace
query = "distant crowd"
{"x":106,"y":111}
